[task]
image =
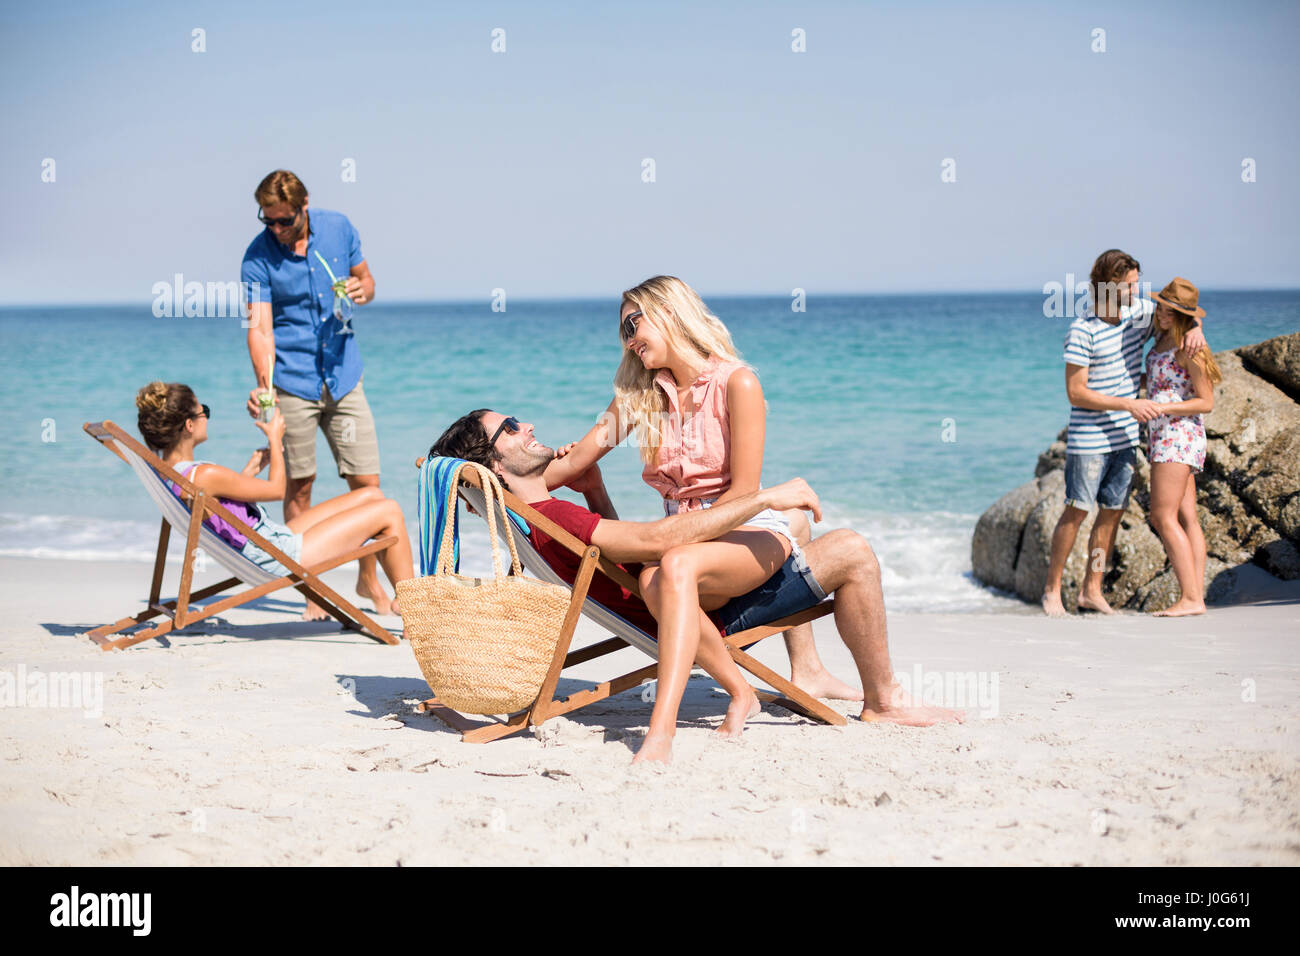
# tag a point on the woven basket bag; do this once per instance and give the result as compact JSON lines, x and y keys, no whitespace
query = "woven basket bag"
{"x":483,"y":644}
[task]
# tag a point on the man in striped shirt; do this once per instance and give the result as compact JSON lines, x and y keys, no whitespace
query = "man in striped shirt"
{"x":1103,"y":370}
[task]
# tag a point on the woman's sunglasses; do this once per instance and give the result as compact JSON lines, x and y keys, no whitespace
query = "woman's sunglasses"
{"x":207,"y":412}
{"x":282,"y":223}
{"x":627,"y":328}
{"x":510,"y":424}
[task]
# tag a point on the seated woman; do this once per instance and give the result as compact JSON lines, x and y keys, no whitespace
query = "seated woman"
{"x":172,"y":422}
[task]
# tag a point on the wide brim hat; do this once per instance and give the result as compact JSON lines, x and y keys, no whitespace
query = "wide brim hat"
{"x":1182,"y":296}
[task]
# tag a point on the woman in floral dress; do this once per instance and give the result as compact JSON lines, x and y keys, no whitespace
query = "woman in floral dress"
{"x":1184,"y":386}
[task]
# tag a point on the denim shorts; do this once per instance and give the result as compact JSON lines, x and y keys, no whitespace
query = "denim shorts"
{"x":278,"y":535}
{"x":790,"y":590}
{"x":1102,"y":479}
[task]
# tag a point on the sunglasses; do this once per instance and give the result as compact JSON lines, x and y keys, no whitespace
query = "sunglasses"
{"x":627,"y":328}
{"x":510,"y":424}
{"x":282,"y":223}
{"x":207,"y":412}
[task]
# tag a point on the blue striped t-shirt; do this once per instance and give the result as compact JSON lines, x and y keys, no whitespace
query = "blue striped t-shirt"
{"x":1112,"y":354}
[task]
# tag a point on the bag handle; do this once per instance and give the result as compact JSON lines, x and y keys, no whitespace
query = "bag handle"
{"x":494,"y":495}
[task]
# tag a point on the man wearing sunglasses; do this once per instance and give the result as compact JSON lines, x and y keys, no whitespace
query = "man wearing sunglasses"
{"x":289,"y":270}
{"x":839,"y":562}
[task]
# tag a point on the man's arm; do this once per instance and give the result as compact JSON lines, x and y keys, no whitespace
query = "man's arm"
{"x":261,"y":349}
{"x":1081,"y":396}
{"x":648,"y":540}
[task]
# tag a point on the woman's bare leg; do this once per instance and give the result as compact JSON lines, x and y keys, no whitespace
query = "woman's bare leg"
{"x":353,"y":527}
{"x":328,"y":509}
{"x":1191,"y":523}
{"x":733,"y":564}
{"x":1168,"y":487}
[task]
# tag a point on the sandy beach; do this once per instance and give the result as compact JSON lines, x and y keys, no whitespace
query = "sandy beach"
{"x":266,"y":740}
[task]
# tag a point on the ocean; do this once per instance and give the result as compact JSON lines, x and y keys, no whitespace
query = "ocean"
{"x":908,"y":414}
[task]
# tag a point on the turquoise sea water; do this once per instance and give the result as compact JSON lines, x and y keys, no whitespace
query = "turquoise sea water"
{"x":908,"y":414}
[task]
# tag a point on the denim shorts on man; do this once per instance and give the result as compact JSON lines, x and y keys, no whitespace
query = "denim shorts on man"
{"x":1101,"y":480}
{"x":790,"y":590}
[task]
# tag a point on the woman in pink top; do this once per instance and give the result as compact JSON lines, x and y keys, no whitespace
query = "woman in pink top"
{"x":173,"y":422}
{"x":699,"y":418}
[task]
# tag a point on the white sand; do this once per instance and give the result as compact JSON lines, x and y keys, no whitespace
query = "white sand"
{"x":265,"y":740}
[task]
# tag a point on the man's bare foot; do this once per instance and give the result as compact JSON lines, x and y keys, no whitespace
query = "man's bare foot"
{"x":1183,"y":608}
{"x":315,"y":612}
{"x":655,"y":748}
{"x":374,"y":591}
{"x":1052,"y":605}
{"x":900,"y":709}
{"x":826,"y":685}
{"x":738,"y":711}
{"x":1094,"y":602}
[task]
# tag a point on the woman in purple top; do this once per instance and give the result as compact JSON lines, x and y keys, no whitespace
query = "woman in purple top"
{"x":173,"y":422}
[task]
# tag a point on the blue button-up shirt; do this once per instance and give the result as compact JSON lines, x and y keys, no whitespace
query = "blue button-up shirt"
{"x":310,"y":352}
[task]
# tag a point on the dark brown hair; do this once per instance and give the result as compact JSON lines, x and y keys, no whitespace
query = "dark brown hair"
{"x":467,"y":438}
{"x":1111,"y":266}
{"x":281,"y":186}
{"x":164,"y":409}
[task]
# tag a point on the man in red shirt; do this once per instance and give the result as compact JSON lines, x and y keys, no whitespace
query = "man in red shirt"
{"x":840,"y":561}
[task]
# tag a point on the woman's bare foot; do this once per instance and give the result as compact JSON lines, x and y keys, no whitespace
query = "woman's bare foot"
{"x":315,"y":612}
{"x":1052,"y":605}
{"x":1182,"y":608}
{"x":655,"y":748}
{"x":1094,"y":602}
{"x":738,"y":712}
{"x":374,"y":591}
{"x":826,"y":685}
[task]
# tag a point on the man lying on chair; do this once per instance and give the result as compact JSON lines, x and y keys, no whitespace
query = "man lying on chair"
{"x":840,"y":562}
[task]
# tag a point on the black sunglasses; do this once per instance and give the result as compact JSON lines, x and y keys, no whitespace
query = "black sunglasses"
{"x":510,"y":424}
{"x":289,"y":221}
{"x":627,"y":328}
{"x":207,"y":412}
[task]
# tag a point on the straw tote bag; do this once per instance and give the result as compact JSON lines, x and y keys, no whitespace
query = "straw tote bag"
{"x":483,"y":644}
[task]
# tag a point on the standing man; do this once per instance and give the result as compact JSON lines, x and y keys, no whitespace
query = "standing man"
{"x":1103,"y":370}
{"x":292,"y":322}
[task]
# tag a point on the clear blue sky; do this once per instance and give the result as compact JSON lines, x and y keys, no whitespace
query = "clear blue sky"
{"x":774,"y":170}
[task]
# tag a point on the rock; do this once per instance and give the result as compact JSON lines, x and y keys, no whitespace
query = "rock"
{"x":1248,"y":498}
{"x":996,"y":542}
{"x":1277,"y":360}
{"x":1280,"y":558}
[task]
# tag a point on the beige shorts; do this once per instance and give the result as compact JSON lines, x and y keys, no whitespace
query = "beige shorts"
{"x":349,"y":429}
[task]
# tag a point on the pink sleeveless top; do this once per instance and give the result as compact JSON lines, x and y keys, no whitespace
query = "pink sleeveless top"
{"x":694,"y":461}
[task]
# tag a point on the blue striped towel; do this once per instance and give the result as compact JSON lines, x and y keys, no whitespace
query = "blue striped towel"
{"x":435,"y":498}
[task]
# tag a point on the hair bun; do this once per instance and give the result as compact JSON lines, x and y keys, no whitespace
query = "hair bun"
{"x":152,"y":398}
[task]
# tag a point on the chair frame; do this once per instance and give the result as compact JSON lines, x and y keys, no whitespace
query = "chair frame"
{"x":547,"y":705}
{"x":180,"y":612}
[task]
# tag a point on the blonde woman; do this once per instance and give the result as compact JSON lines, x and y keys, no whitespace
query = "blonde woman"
{"x":1183,"y":387}
{"x":697,"y":413}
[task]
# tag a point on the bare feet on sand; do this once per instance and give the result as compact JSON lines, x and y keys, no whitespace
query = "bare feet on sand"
{"x":1183,"y":608}
{"x":826,"y":686}
{"x":374,"y":591}
{"x":901,"y":710}
{"x":315,"y":612}
{"x":738,"y":712}
{"x":656,"y":748}
{"x":1094,"y":602}
{"x":1052,"y":605}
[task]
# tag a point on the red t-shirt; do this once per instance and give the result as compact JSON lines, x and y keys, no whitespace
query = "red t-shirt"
{"x":581,"y":523}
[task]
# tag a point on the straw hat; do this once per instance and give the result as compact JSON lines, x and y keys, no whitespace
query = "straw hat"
{"x":1181,"y":295}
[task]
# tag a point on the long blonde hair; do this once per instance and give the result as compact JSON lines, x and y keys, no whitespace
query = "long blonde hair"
{"x":688,"y":326}
{"x":1178,"y":329}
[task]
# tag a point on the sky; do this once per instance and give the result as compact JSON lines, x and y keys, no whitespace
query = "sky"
{"x":524,"y":170}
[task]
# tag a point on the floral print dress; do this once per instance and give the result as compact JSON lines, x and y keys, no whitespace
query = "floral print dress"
{"x":1179,"y":438}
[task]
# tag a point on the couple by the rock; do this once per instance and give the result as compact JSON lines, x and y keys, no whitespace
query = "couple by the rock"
{"x":1105,"y":371}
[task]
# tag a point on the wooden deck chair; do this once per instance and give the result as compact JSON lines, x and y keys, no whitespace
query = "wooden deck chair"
{"x":187,"y":518}
{"x":625,"y":634}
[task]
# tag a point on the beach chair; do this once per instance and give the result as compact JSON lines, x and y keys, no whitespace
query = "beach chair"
{"x":187,"y":516}
{"x":625,"y":634}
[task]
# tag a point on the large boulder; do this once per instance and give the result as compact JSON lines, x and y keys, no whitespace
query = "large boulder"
{"x":1248,"y":498}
